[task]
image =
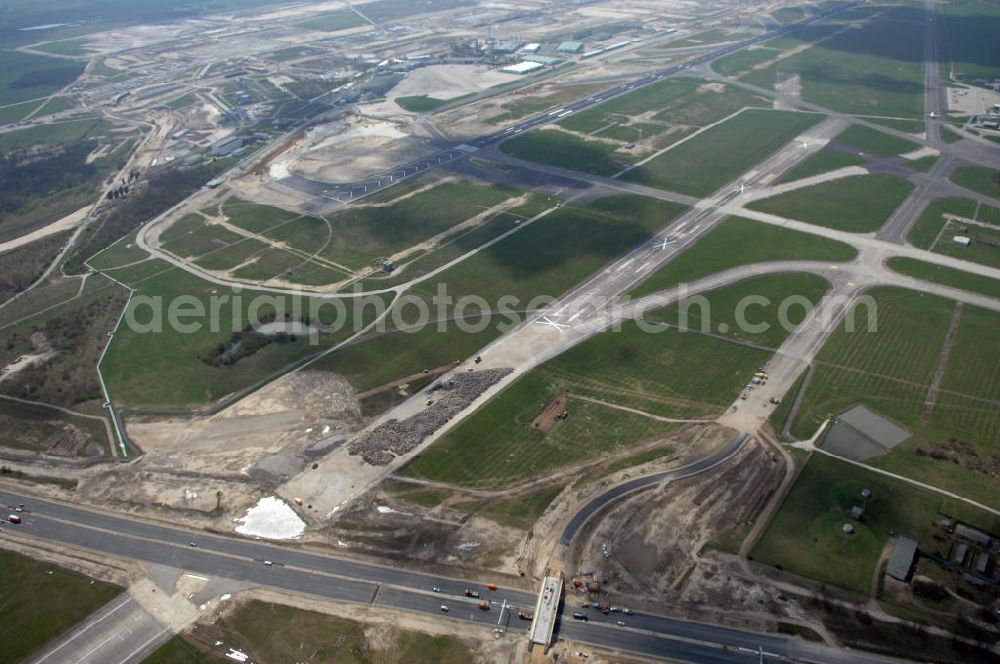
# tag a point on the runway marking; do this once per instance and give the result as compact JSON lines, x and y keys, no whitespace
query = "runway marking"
{"x":545,"y":320}
{"x":125,"y":600}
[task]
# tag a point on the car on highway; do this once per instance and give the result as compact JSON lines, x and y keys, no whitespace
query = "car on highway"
{"x":268,"y":563}
{"x":436,"y":589}
{"x":13,"y":518}
{"x":579,"y":615}
{"x":444,"y":607}
{"x":620,"y":623}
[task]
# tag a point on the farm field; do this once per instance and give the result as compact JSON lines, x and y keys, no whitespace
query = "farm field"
{"x":251,"y":627}
{"x":720,"y":313}
{"x":805,"y":536}
{"x":46,"y":601}
{"x":707,"y":161}
{"x":737,"y":241}
{"x":874,"y":70}
{"x":945,"y":276}
{"x":556,"y":252}
{"x":663,"y":371}
{"x":558,"y":148}
{"x":858,"y":204}
{"x":891,"y":371}
{"x":177,"y":375}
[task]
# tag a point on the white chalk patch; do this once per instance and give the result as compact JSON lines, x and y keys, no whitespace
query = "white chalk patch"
{"x":271,"y":518}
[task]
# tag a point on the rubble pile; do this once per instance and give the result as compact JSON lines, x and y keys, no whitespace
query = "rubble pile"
{"x":392,"y":438}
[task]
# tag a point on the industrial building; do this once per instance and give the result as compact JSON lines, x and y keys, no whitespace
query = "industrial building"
{"x":963,"y":240}
{"x":570,"y":47}
{"x":904,"y":552}
{"x":226,"y":146}
{"x":523,"y":67}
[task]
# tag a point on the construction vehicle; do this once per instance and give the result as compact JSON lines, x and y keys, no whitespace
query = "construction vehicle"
{"x":491,"y":586}
{"x":605,"y":609}
{"x":484,"y":605}
{"x":525,"y":615}
{"x":593,"y":588}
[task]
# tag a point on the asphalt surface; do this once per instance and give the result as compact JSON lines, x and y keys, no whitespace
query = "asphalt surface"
{"x":356,"y":582}
{"x":120,"y":631}
{"x":600,"y":502}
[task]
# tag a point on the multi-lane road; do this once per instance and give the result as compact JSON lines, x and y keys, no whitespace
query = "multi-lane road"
{"x":341,"y":579}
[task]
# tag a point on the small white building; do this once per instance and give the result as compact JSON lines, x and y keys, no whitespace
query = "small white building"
{"x":524,"y":67}
{"x":531,"y":48}
{"x":963,"y":240}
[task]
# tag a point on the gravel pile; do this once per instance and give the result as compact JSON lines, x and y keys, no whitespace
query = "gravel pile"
{"x":388,"y":440}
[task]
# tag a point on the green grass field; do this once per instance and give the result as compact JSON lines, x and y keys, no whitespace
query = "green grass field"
{"x":858,"y":204}
{"x":741,"y":61}
{"x":891,"y":371}
{"x":556,"y":252}
{"x":459,"y":243}
{"x":522,"y":511}
{"x":925,"y":231}
{"x":557,"y":148}
{"x":43,"y":603}
{"x":722,"y":311}
{"x":175,"y":376}
{"x":678,"y":103}
{"x":659,"y":370}
{"x":870,"y":141}
{"x":307,"y":636}
{"x":821,"y":162}
{"x":333,"y":21}
{"x":805,"y":536}
{"x":56,"y":133}
{"x":978,"y":178}
{"x":946,"y":276}
{"x":393,"y":355}
{"x":736,"y":242}
{"x":875,"y":70}
{"x":707,"y":161}
{"x":984,"y":248}
{"x":420,"y":103}
{"x":26,"y":76}
{"x":361,"y":235}
{"x":970,"y":28}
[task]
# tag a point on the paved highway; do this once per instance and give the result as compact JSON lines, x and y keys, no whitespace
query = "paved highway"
{"x":613,"y":494}
{"x":345,"y":580}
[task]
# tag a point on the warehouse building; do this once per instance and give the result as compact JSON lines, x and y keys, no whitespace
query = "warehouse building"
{"x":904,"y":552}
{"x":570,"y":47}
